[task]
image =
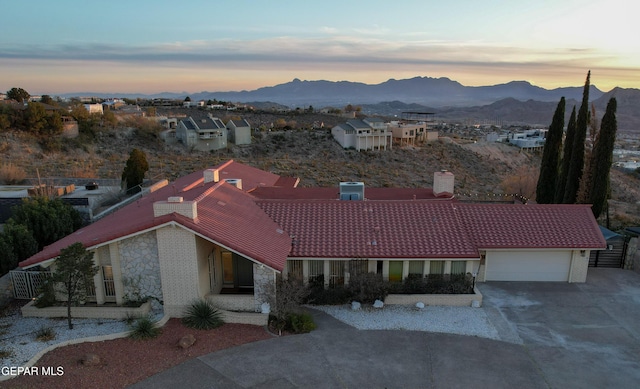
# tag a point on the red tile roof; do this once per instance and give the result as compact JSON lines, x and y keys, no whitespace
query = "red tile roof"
{"x":271,"y":224}
{"x":225,"y":215}
{"x":332,"y":193}
{"x":531,"y":225}
{"x":371,"y":229}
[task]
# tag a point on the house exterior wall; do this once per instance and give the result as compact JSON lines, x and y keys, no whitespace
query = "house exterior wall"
{"x":177,"y":253}
{"x":240,"y":135}
{"x":345,"y":140}
{"x":140,"y":267}
{"x":264,"y":285}
{"x":579,"y":266}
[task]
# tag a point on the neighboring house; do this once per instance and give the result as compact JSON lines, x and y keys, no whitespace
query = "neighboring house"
{"x":94,"y":108}
{"x":366,"y":134}
{"x":204,"y":134}
{"x":239,"y":132}
{"x":225,"y":233}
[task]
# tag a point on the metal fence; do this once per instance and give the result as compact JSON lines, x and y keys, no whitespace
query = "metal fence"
{"x":26,"y":284}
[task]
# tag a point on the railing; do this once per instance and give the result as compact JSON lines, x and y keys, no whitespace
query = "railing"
{"x":26,"y":284}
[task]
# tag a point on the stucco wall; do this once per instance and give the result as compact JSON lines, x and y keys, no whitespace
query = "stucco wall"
{"x":140,"y":267}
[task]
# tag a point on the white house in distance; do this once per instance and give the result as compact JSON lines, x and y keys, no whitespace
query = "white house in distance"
{"x":94,"y":108}
{"x":365,"y":134}
{"x":225,"y":233}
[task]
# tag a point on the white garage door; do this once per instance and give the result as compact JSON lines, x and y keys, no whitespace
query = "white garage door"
{"x":528,"y":266}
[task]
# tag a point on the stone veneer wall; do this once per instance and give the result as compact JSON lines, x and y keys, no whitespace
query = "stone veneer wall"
{"x":141,"y":267}
{"x":264,"y":284}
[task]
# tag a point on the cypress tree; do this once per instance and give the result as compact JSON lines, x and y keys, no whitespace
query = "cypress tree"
{"x":566,"y":156}
{"x":548,"y":179}
{"x":134,"y":170}
{"x":576,"y":165}
{"x":603,"y":158}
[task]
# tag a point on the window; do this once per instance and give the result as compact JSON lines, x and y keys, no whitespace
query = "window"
{"x":107,"y":277}
{"x":395,"y":271}
{"x":294,"y":270}
{"x":358,"y":266}
{"x":416,"y":268}
{"x":336,"y":276}
{"x":458,"y":267}
{"x":436,"y":267}
{"x":316,"y":270}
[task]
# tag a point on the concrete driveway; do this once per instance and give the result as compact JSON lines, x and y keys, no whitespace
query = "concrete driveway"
{"x":555,"y":335}
{"x":579,"y":335}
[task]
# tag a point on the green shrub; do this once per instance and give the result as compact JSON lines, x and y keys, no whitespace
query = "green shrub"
{"x":368,"y":287}
{"x":45,"y":334}
{"x":300,"y":323}
{"x":144,"y":328}
{"x":202,"y":315}
{"x":47,"y":295}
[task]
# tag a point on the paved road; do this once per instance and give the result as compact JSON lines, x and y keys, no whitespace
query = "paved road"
{"x":555,"y":335}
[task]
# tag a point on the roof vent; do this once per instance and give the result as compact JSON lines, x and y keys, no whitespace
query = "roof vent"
{"x":237,"y":182}
{"x":352,"y":191}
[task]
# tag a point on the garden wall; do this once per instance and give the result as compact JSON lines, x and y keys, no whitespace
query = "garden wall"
{"x":455,"y":300}
{"x":88,"y":312}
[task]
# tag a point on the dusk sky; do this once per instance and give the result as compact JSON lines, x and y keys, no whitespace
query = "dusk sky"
{"x":64,"y":46}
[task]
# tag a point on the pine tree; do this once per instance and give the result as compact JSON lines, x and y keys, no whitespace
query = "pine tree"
{"x":576,"y":164}
{"x":134,"y":170}
{"x":548,"y":179}
{"x":566,"y":156}
{"x":603,"y":158}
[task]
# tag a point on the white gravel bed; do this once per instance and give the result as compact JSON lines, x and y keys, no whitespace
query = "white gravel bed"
{"x":450,"y":320}
{"x":18,"y":334}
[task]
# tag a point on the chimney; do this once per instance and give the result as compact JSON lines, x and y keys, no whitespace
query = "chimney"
{"x":211,"y":175}
{"x":178,"y":205}
{"x":443,"y":183}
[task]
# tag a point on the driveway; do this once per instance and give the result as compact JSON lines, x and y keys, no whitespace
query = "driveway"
{"x":554,"y":335}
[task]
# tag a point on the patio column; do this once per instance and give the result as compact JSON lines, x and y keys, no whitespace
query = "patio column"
{"x":327,"y":273}
{"x":405,"y":270}
{"x":97,"y":280}
{"x":117,"y":272}
{"x":385,"y":270}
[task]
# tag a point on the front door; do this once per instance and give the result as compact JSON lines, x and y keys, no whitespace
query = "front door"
{"x":237,"y":271}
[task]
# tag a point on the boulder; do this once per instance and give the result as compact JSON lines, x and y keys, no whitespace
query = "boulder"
{"x":420,"y":305}
{"x":355,"y":305}
{"x":378,"y":304}
{"x":265,"y":308}
{"x":90,"y":360}
{"x":187,"y":341}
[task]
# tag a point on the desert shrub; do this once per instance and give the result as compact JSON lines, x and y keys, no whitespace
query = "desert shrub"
{"x":45,"y":334}
{"x":368,"y":287}
{"x":144,"y":328}
{"x":10,"y":174}
{"x":202,"y":315}
{"x":5,"y":353}
{"x":300,"y":323}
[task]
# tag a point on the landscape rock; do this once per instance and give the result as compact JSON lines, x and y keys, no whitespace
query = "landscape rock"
{"x":265,"y":308}
{"x":355,"y":305}
{"x":378,"y":304}
{"x":420,"y":305}
{"x":187,"y":341}
{"x":90,"y":360}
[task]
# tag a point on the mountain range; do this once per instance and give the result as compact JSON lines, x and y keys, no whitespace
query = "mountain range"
{"x":513,"y":102}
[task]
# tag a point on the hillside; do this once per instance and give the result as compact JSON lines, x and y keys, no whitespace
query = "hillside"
{"x":312,"y":155}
